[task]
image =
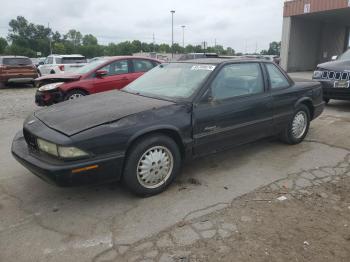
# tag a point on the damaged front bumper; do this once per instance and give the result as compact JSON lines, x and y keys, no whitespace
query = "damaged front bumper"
{"x":48,"y":98}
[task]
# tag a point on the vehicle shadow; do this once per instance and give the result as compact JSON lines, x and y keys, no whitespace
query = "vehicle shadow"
{"x":339,"y":105}
{"x":18,"y":86}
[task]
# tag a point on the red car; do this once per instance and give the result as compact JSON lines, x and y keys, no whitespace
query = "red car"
{"x":102,"y":74}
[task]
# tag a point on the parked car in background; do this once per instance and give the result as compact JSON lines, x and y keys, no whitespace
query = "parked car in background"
{"x":16,"y":69}
{"x":335,"y":77}
{"x":102,"y":74}
{"x":55,"y":64}
{"x":143,"y":133}
{"x":37,"y":61}
{"x":273,"y":58}
{"x":191,"y":56}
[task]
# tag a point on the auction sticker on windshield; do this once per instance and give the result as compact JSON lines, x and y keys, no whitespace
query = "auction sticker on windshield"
{"x":203,"y":67}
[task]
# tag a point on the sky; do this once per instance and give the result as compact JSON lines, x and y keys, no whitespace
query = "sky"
{"x":244,"y":25}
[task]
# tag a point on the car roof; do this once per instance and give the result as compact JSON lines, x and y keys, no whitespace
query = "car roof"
{"x":217,"y":61}
{"x":73,"y":55}
{"x":13,"y":56}
{"x":109,"y":58}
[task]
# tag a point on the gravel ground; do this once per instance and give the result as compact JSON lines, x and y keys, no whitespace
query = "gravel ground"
{"x":17,"y":102}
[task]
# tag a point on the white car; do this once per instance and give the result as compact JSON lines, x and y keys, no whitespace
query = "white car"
{"x":56,"y":64}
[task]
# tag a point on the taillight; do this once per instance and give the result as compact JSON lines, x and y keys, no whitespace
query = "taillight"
{"x":61,"y":67}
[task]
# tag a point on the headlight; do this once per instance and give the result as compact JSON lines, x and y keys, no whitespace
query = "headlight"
{"x":318,"y":74}
{"x":71,"y":152}
{"x":60,"y":151}
{"x":50,"y":87}
{"x":47,"y":147}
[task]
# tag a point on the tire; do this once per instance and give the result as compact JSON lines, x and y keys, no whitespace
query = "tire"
{"x":326,"y":100}
{"x":74,"y":94}
{"x":137,"y":157}
{"x":292,"y":134}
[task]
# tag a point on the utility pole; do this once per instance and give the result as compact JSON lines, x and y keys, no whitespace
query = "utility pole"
{"x":48,"y":25}
{"x":172,"y":33}
{"x":183,"y":36}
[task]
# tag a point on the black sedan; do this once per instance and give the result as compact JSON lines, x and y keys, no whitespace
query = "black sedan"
{"x":178,"y":111}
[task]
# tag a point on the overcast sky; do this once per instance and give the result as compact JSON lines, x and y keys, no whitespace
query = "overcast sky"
{"x":241,"y":24}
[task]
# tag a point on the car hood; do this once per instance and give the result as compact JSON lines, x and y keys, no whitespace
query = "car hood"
{"x":75,"y":116}
{"x":61,"y":77}
{"x":339,"y":65}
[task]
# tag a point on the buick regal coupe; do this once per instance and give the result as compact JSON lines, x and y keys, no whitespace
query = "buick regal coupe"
{"x":178,"y":111}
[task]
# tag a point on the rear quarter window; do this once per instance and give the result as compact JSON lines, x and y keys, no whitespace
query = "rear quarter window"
{"x":277,"y":79}
{"x":16,"y":61}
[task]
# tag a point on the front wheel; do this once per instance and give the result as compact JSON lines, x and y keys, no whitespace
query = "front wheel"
{"x":74,"y":94}
{"x":298,"y":127}
{"x":326,"y":100}
{"x":152,"y":164}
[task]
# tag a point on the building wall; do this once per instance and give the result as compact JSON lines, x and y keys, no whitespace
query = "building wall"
{"x":297,"y":7}
{"x":285,"y":42}
{"x":333,"y":41}
{"x":304,"y":45}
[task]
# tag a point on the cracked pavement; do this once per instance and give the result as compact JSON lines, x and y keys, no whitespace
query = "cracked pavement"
{"x":40,"y":222}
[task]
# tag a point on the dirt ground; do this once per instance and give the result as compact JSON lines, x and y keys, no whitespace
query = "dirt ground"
{"x":305,"y":217}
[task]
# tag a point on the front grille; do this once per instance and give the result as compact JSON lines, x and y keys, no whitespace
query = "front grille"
{"x":332,"y":75}
{"x":30,"y":139}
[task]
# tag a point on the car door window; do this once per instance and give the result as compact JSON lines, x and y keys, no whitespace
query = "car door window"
{"x":237,"y":80}
{"x":277,"y":79}
{"x":141,"y":65}
{"x":49,"y":60}
{"x":117,"y":68}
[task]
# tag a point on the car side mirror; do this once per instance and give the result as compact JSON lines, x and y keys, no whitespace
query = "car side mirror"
{"x":334,"y":57}
{"x":101,"y":73}
{"x":209,"y":99}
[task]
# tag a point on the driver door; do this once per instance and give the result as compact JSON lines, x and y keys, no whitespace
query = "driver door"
{"x":235,"y":109}
{"x":117,"y":77}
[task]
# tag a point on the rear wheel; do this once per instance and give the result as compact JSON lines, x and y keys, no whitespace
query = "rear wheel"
{"x":326,"y":100}
{"x":152,"y":164}
{"x":298,"y":127}
{"x":74,"y":94}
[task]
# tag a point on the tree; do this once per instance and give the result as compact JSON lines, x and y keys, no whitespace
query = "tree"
{"x":29,"y":38}
{"x":3,"y":45}
{"x":59,"y":48}
{"x":90,"y":40}
{"x":74,"y":37}
{"x":275,"y":48}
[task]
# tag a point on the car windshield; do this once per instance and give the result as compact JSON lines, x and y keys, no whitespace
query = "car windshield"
{"x":172,"y":81}
{"x":345,"y":56}
{"x":90,"y":66}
